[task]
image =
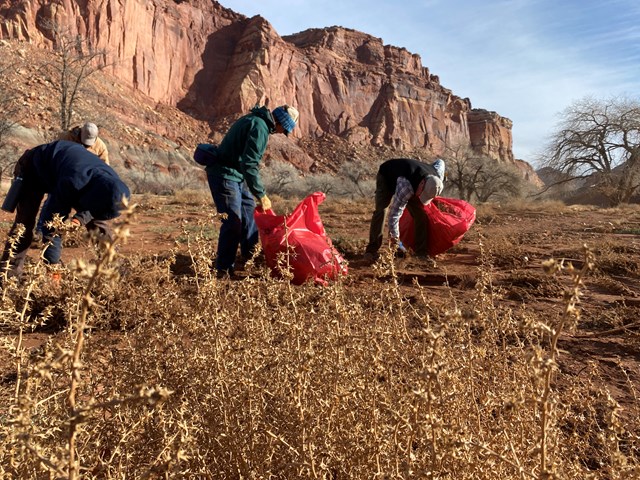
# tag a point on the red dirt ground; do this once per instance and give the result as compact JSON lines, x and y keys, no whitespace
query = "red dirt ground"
{"x":514,"y":241}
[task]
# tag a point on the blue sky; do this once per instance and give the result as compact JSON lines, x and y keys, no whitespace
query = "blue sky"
{"x":525,"y":59}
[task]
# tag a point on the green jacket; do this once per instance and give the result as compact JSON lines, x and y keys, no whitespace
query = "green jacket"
{"x":242,"y":148}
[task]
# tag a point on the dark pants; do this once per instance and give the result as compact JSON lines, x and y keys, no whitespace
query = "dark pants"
{"x":238,"y":229}
{"x":26,"y":211}
{"x":382,"y":201}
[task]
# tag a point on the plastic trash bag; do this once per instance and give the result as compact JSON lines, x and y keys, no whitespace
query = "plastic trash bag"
{"x":301,"y":233}
{"x":448,"y":219}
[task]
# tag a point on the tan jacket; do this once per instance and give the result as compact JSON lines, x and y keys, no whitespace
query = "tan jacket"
{"x":98,"y":148}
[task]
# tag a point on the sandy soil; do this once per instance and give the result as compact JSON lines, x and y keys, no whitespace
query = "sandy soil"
{"x":510,"y":243}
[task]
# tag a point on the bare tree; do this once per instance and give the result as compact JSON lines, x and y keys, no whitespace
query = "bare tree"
{"x":599,"y":140}
{"x":323,"y":182}
{"x":500,"y":182}
{"x":75,"y":60}
{"x":281,"y":178}
{"x":358,"y":173}
{"x":8,"y":113}
{"x":478,"y":177}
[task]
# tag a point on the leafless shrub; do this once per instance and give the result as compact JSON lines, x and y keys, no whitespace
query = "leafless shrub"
{"x":353,"y":181}
{"x":359,"y":177}
{"x":75,"y":60}
{"x":281,"y":178}
{"x":189,"y":196}
{"x":150,"y":176}
{"x":8,"y":116}
{"x":160,"y":375}
{"x":324,"y":182}
{"x":478,"y":178}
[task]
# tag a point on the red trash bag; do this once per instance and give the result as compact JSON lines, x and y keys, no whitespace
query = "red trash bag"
{"x":312,"y":255}
{"x":448,"y":219}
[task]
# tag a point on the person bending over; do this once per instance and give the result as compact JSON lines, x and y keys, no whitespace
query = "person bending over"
{"x":403,"y":183}
{"x":75,"y":179}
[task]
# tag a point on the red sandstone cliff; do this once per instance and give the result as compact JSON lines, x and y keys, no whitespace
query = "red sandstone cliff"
{"x":214,"y":63}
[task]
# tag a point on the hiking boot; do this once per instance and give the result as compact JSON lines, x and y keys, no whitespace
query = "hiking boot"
{"x":370,"y":258}
{"x":226,"y":275}
{"x":424,"y":257}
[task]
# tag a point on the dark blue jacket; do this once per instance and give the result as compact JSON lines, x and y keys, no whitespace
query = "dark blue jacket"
{"x":76,"y":178}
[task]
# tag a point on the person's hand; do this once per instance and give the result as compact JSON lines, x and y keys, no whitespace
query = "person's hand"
{"x":265,"y":203}
{"x":398,"y":247}
{"x":73,"y":223}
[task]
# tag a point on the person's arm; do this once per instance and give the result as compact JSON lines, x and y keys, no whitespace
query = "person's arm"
{"x":55,"y":205}
{"x":432,"y":188}
{"x":100,"y":149}
{"x":250,"y":159}
{"x":83,"y":217}
{"x":404,"y":192}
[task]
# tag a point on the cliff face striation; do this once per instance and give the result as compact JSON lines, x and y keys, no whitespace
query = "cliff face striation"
{"x":214,"y":64}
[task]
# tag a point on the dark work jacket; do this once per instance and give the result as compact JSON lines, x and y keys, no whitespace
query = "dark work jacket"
{"x":76,"y":178}
{"x":413,"y":170}
{"x":241,"y":149}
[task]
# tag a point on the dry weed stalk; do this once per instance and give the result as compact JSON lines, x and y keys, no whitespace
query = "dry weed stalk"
{"x":93,"y":272}
{"x":548,"y":365}
{"x":270,"y":380}
{"x":24,"y":434}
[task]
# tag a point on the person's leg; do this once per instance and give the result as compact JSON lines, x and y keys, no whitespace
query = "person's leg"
{"x":227,"y":197}
{"x":249,"y":238}
{"x":29,"y":201}
{"x":26,"y":213}
{"x":421,"y":226}
{"x":44,"y":213}
{"x":53,"y":251}
{"x":382,"y":200}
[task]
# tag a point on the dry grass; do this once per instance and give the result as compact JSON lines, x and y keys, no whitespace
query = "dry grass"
{"x":192,"y":197}
{"x":157,"y":375}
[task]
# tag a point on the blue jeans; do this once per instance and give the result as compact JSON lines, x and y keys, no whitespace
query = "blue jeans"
{"x":53,"y":252}
{"x":239,"y":228}
{"x":44,"y":213}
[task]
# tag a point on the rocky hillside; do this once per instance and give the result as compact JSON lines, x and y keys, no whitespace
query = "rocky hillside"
{"x":178,"y":72}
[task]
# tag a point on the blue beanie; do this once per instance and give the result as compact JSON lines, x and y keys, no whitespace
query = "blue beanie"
{"x":283,"y":118}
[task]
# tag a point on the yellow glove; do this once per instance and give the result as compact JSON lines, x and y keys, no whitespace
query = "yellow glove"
{"x":265,"y":203}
